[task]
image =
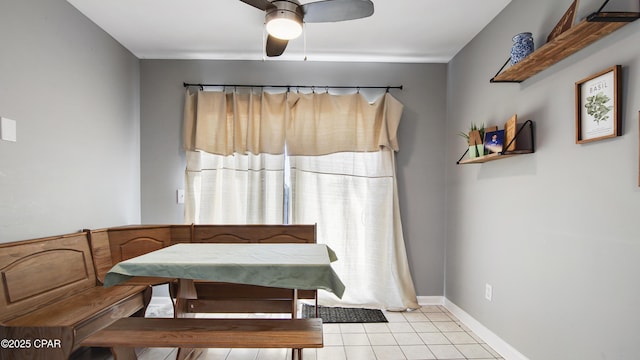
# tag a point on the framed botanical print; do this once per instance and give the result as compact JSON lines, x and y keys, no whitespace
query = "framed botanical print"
{"x":598,"y":107}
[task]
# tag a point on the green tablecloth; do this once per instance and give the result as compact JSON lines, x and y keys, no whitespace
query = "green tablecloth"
{"x":291,"y":266}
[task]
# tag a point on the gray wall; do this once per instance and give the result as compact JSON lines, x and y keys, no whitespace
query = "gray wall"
{"x":553,"y":232}
{"x":420,"y":164}
{"x":74,"y":93}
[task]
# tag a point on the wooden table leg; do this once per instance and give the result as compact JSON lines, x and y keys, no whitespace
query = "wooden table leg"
{"x":186,"y":291}
{"x":299,"y":352}
{"x":294,"y":304}
{"x":294,"y":315}
{"x":123,"y":353}
{"x":191,"y":354}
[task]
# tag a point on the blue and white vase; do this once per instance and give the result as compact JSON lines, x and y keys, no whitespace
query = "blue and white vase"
{"x":522,"y":46}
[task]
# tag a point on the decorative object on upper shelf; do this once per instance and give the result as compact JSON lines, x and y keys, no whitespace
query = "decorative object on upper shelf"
{"x":598,"y":108}
{"x":493,"y":141}
{"x":474,"y":139}
{"x":565,"y":23}
{"x":510,"y":133}
{"x":522,"y":47}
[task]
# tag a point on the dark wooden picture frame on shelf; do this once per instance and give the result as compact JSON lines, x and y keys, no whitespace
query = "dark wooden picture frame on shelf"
{"x":598,"y":106}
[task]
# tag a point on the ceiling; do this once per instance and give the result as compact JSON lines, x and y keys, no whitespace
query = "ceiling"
{"x":398,"y":31}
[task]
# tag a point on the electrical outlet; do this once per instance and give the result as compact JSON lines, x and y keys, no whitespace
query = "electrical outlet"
{"x":488,"y":292}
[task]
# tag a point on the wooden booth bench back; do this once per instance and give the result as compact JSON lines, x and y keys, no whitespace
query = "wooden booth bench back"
{"x":49,"y":291}
{"x":272,"y":234}
{"x":39,"y":272}
{"x":110,"y":246}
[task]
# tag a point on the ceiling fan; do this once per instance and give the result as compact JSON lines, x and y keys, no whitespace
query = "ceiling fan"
{"x":284,"y":18}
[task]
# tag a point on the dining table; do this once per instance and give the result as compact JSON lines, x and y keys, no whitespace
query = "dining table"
{"x":296,"y":266}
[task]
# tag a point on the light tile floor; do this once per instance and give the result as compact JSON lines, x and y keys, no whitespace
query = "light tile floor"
{"x":431,"y":332}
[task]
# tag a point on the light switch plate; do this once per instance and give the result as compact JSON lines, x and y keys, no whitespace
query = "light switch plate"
{"x":7,"y":129}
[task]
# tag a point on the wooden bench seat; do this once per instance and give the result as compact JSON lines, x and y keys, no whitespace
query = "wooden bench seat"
{"x":49,"y":291}
{"x":72,"y":311}
{"x":126,"y":334}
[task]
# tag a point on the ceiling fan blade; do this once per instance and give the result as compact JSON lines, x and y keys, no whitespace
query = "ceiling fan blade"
{"x":336,"y":10}
{"x":275,"y":46}
{"x":260,"y":4}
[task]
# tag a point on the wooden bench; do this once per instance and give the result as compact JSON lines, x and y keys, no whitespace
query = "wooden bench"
{"x":126,"y":334}
{"x":50,"y":299}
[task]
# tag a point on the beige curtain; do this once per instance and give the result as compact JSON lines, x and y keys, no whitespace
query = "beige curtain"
{"x":235,"y":158}
{"x":343,"y":179}
{"x":227,"y":123}
{"x":341,"y":151}
{"x":234,"y":189}
{"x":323,"y":124}
{"x":310,"y":124}
{"x":352,"y":196}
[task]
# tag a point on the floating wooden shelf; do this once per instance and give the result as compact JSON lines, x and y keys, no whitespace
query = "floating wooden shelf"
{"x":496,"y":156}
{"x":524,"y":145}
{"x":589,"y":30}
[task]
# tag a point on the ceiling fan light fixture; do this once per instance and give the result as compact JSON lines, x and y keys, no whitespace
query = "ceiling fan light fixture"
{"x":284,"y":20}
{"x":284,"y":28}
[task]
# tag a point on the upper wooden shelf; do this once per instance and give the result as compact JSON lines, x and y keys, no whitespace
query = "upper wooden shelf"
{"x":589,"y":30}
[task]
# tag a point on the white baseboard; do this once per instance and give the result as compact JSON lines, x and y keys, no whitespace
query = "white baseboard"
{"x":507,"y":351}
{"x":431,"y":300}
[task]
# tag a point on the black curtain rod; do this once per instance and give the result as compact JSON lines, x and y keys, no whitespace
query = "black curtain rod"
{"x":289,"y":87}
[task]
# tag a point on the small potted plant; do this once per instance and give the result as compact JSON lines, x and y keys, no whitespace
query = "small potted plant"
{"x":474,"y":140}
